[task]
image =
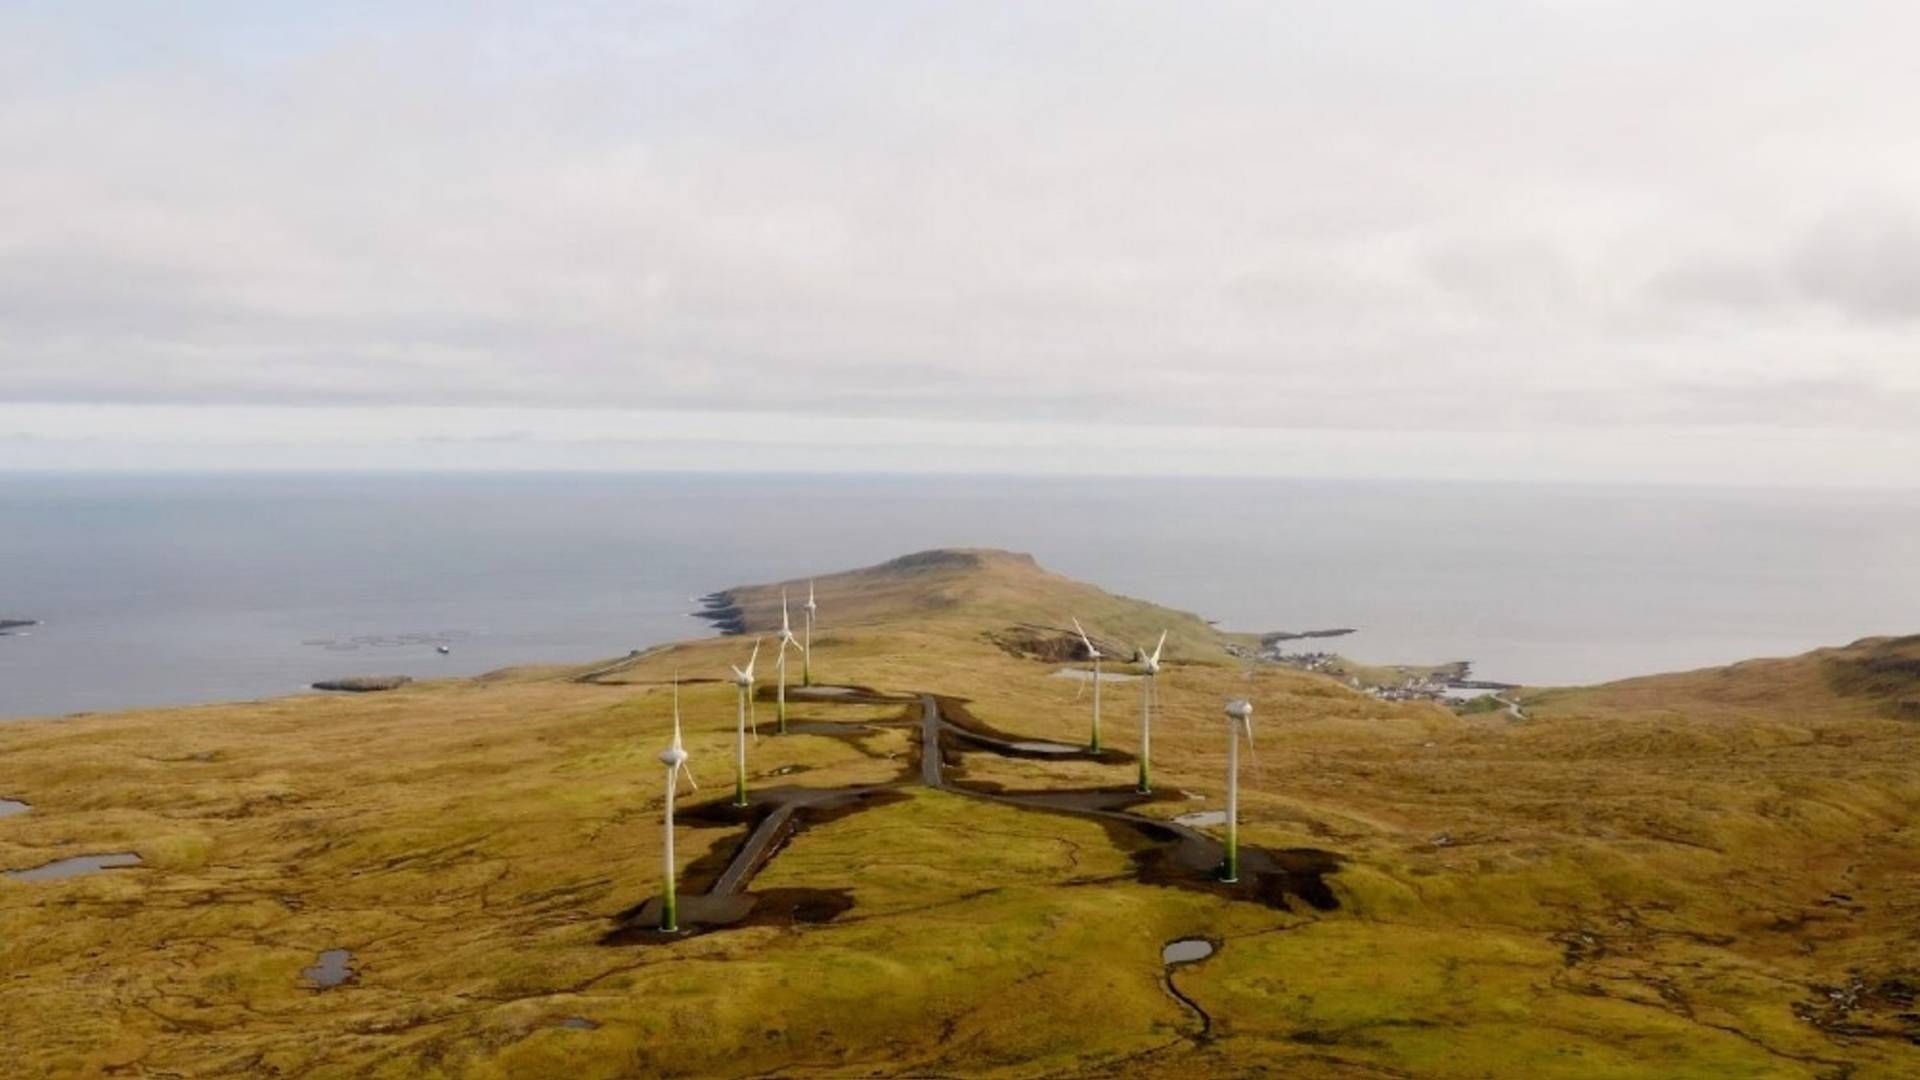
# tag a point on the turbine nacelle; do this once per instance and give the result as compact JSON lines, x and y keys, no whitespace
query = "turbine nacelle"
{"x":786,"y":637}
{"x":1240,"y":722}
{"x":674,"y":757}
{"x":743,"y":677}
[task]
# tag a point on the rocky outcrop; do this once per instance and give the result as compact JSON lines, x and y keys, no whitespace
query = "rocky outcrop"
{"x":721,"y":610}
{"x":1883,"y":668}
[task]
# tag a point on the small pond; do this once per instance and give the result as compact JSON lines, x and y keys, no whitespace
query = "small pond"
{"x":1186,"y":951}
{"x":330,"y":969}
{"x":74,"y":867}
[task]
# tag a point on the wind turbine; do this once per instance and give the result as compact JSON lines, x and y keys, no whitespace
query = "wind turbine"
{"x":744,"y":680}
{"x":1239,"y":719}
{"x":780,"y":662}
{"x":1150,"y":665}
{"x":1094,"y":653}
{"x":806,"y":651}
{"x":675,"y":759}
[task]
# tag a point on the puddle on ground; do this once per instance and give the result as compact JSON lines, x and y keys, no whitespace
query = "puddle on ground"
{"x":1176,"y":954}
{"x":10,"y":807}
{"x":1202,"y":818}
{"x":1032,"y":747}
{"x":953,"y":719}
{"x":842,"y":693}
{"x":579,"y":1023}
{"x":1186,"y":951}
{"x":330,"y":969}
{"x":1086,"y":675}
{"x":74,"y":867}
{"x":832,"y":728}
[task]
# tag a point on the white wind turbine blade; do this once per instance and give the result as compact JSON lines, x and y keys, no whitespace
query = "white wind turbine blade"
{"x":1247,"y":725}
{"x":676,"y":712}
{"x":748,"y":674}
{"x":682,"y":766}
{"x":786,"y":620}
{"x":1092,"y":652}
{"x":1162,"y":645}
{"x":1253,"y":751}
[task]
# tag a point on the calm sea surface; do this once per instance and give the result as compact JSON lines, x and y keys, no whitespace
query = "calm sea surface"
{"x":185,"y":589}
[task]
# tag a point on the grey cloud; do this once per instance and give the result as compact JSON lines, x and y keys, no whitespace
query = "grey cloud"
{"x":1834,"y":402}
{"x":1721,"y":284}
{"x":1365,"y":215}
{"x":1865,"y":262}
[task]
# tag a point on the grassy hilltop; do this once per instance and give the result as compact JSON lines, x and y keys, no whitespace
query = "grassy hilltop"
{"x":1714,"y":873}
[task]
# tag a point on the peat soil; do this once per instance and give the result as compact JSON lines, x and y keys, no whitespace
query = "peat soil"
{"x":713,"y":893}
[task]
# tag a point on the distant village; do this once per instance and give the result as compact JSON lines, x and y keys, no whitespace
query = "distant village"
{"x":1449,"y":683}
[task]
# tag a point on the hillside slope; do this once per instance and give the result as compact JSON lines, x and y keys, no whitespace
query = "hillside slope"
{"x":1711,"y":873}
{"x":959,"y":588}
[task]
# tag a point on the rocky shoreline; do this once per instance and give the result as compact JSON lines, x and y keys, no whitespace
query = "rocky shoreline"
{"x":720,"y":609}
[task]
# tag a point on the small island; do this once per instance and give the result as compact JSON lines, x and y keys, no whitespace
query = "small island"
{"x":7,"y":626}
{"x":364,"y":684}
{"x":1277,"y":636}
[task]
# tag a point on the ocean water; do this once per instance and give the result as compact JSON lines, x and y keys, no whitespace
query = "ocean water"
{"x":163,"y":590}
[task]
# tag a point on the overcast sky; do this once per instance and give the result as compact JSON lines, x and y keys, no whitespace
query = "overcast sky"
{"x":1572,"y":239}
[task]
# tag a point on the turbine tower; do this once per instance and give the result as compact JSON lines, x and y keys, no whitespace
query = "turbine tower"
{"x":1094,"y":655}
{"x":1150,"y":669}
{"x":1239,"y":719}
{"x":674,"y":758}
{"x":744,"y":680}
{"x":780,"y":661}
{"x":806,"y":650}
